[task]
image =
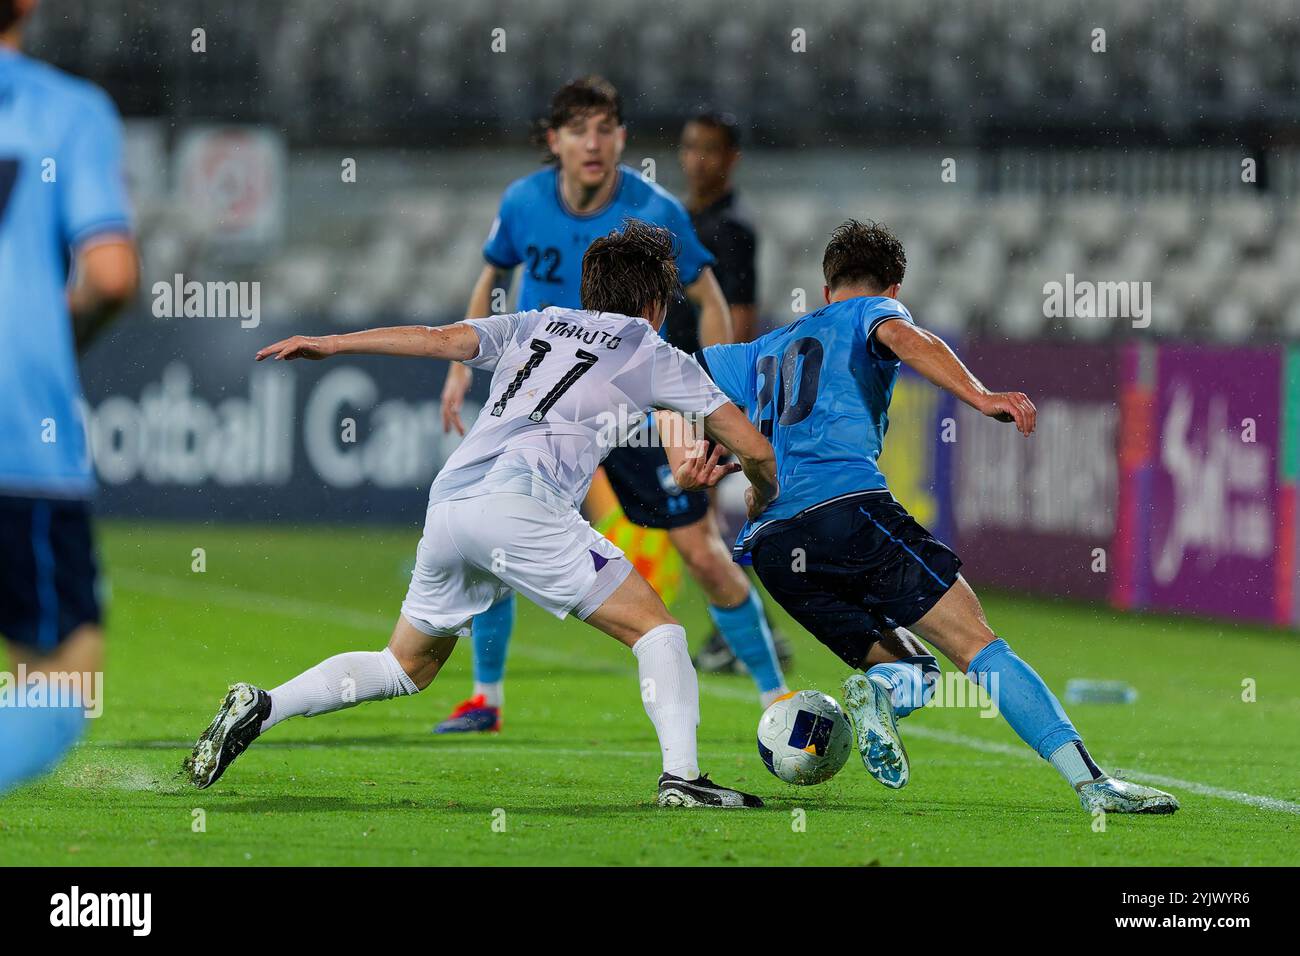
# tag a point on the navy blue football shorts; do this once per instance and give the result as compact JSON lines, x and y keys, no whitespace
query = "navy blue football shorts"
{"x":48,"y":572}
{"x":645,"y":488}
{"x":851,"y":567}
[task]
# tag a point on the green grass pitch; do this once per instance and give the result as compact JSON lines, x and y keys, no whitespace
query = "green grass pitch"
{"x":571,"y":779}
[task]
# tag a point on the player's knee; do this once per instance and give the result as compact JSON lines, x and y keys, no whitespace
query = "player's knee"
{"x":421,"y":661}
{"x":707,"y":571}
{"x":706,"y":561}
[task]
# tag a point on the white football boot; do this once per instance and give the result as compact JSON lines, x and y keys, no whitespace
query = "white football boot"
{"x":1120,"y":796}
{"x":675,"y":791}
{"x":237,"y":724}
{"x":868,"y":701}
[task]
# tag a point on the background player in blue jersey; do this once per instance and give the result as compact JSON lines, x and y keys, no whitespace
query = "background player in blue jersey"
{"x":845,"y":558}
{"x":62,"y":203}
{"x":545,"y":224}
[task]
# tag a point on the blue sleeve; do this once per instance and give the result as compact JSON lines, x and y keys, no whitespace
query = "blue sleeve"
{"x":692,"y":257}
{"x":872,"y":318}
{"x":500,"y":246}
{"x":93,"y":200}
{"x":732,"y":369}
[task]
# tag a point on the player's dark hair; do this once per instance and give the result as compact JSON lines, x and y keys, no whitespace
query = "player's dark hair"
{"x":863,"y":253}
{"x":630,"y":271}
{"x":580,"y":97}
{"x":726,"y":122}
{"x":8,"y":14}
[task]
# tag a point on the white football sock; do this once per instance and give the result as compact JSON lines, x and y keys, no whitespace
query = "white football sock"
{"x":769,"y":697}
{"x":671,"y":695}
{"x":344,"y":680}
{"x":1072,"y":762}
{"x":494,"y":694}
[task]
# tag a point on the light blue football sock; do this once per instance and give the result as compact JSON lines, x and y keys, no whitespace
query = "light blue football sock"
{"x":1022,"y":698}
{"x":911,"y":681}
{"x":491,"y":635}
{"x":745,"y":630}
{"x":33,"y":738}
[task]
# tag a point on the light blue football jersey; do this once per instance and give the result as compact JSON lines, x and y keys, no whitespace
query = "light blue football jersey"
{"x":819,"y":390}
{"x":536,"y":228}
{"x":61,"y":186}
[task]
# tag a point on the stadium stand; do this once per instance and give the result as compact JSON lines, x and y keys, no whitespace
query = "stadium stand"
{"x":1221,"y":254}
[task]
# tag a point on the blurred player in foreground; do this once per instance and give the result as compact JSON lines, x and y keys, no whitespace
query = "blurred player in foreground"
{"x":503,"y":512}
{"x":546,"y":221}
{"x":820,"y":390}
{"x":62,"y":201}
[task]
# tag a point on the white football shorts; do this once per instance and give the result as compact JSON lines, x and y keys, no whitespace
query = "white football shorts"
{"x":475,"y":550}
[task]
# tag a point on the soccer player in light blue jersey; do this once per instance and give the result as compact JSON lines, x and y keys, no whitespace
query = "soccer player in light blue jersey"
{"x":545,"y":224}
{"x":62,"y":205}
{"x":838,"y":552}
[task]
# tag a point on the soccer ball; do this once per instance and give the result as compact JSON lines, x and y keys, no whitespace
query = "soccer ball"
{"x":804,"y":738}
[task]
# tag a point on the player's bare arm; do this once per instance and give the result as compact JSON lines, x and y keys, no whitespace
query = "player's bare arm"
{"x":694,"y":468}
{"x":715,"y":315}
{"x":105,"y":280}
{"x":930,"y":355}
{"x":458,"y":342}
{"x":459,"y":377}
{"x":729,"y":426}
{"x":744,"y":322}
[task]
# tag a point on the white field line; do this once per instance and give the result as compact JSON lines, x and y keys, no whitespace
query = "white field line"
{"x":1205,"y":790}
{"x":379,"y":625}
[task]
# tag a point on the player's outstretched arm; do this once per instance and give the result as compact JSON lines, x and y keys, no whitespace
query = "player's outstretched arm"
{"x":459,"y":342}
{"x":729,"y":426}
{"x":931,"y":357}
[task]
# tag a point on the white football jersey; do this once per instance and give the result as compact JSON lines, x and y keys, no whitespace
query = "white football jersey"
{"x":567,"y":384}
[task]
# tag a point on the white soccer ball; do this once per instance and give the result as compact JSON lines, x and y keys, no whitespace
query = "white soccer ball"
{"x":805,"y":738}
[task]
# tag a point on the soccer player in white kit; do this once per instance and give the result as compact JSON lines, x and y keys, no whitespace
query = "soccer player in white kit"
{"x":503,"y":512}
